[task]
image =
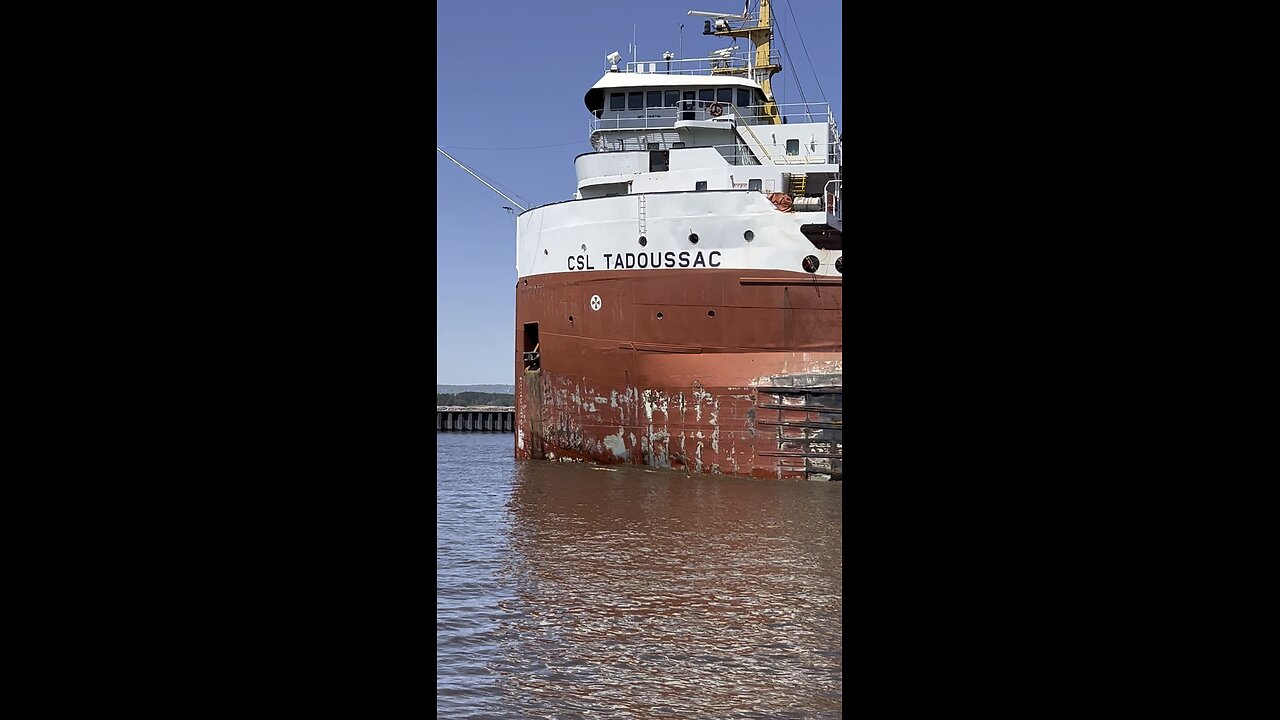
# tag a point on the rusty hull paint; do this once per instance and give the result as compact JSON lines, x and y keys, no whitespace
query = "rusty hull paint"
{"x":621,"y":385}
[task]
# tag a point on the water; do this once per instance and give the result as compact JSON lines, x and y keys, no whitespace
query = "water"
{"x":572,"y":591}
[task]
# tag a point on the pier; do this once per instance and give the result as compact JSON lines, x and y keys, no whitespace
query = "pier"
{"x":485,"y":418}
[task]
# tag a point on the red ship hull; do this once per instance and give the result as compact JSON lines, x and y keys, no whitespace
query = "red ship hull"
{"x":702,"y":371}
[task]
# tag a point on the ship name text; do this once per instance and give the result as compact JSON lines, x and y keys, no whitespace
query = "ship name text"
{"x":628,"y":261}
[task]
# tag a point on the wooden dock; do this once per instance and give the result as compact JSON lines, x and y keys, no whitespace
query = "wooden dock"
{"x":485,"y":418}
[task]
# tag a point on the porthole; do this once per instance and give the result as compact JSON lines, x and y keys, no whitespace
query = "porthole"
{"x":840,"y":264}
{"x":546,"y":251}
{"x":643,"y":241}
{"x":810,"y":263}
{"x":584,"y":248}
{"x":659,"y":316}
{"x":711,"y":313}
{"x":749,"y":235}
{"x":570,"y":319}
{"x":693,"y":238}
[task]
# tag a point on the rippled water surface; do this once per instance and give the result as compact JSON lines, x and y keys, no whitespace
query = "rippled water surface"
{"x":573,"y":591}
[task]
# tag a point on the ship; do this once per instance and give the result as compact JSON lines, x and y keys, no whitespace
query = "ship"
{"x":683,"y":310}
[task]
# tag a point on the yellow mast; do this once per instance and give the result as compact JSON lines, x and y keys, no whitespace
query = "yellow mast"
{"x":760,"y":35}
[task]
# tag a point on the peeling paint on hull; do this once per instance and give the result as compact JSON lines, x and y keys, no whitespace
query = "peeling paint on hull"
{"x":680,"y":392}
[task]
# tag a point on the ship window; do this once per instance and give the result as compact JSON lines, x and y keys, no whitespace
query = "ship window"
{"x":706,"y":95}
{"x":744,"y":98}
{"x":700,"y":186}
{"x":617,"y":101}
{"x":793,"y":147}
{"x":659,"y":160}
{"x":754,"y":185}
{"x":724,"y":95}
{"x":677,"y":145}
{"x":635,"y":101}
{"x":654,"y":99}
{"x":687,"y":106}
{"x":672,"y":97}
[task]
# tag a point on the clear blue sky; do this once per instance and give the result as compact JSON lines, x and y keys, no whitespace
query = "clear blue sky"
{"x":512,"y":75}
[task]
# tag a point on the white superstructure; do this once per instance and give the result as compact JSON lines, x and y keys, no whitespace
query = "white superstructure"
{"x":693,"y":156}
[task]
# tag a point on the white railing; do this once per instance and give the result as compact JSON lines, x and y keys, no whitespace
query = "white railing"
{"x":740,"y":155}
{"x":666,"y":116}
{"x":736,"y":154}
{"x":831,"y":196}
{"x":807,"y":112}
{"x":699,"y":66}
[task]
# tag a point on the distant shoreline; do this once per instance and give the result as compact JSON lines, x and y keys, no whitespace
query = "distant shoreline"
{"x":476,"y":398}
{"x":455,"y":389}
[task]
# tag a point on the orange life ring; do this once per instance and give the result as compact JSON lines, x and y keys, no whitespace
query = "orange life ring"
{"x":715,"y":109}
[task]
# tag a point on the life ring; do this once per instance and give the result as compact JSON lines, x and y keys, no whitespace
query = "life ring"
{"x":715,"y":109}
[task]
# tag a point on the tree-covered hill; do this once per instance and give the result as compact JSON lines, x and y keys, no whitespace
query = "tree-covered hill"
{"x":468,"y":399}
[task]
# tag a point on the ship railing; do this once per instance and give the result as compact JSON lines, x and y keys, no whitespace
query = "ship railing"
{"x":739,"y":154}
{"x":831,"y":196}
{"x":667,"y":115}
{"x":733,"y":64}
{"x":734,"y":154}
{"x":807,"y":112}
{"x":654,"y":117}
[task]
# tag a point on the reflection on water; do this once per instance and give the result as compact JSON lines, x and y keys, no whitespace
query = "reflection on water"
{"x":580,"y":591}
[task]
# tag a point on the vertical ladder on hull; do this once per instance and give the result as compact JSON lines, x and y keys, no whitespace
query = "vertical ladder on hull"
{"x":643,"y":230}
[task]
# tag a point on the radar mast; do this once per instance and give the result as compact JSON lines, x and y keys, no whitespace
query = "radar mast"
{"x":760,"y":35}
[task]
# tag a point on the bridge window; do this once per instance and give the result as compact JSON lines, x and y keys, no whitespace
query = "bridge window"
{"x":672,"y":97}
{"x":793,"y":147}
{"x":635,"y":101}
{"x":706,"y":95}
{"x":654,"y":99}
{"x":617,"y":101}
{"x":744,"y":98}
{"x":724,"y":95}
